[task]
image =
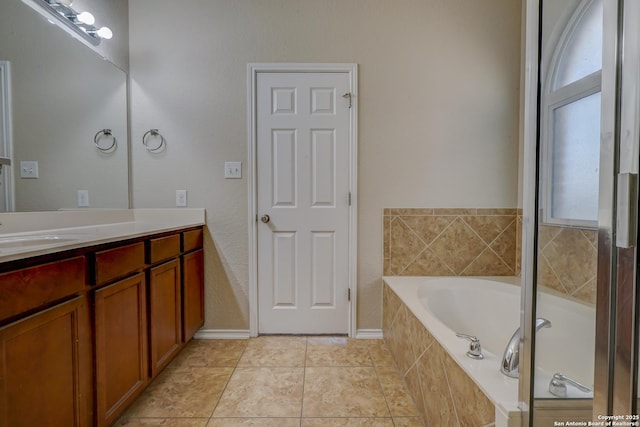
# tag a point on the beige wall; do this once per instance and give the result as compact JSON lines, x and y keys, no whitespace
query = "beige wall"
{"x":438,"y":113}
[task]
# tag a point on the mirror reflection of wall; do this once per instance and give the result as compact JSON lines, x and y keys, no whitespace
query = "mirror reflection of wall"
{"x":62,"y":94}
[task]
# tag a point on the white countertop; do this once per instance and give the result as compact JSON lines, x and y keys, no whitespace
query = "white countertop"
{"x":24,"y":235}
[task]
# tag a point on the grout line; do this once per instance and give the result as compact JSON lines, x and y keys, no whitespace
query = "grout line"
{"x":446,"y":377}
{"x":553,"y":270}
{"x":418,"y":237}
{"x":435,"y":239}
{"x":384,"y":395}
{"x":228,"y":380}
{"x":417,"y":359}
{"x":304,"y":377}
{"x":395,"y":315}
{"x":488,"y":246}
{"x":593,"y":244}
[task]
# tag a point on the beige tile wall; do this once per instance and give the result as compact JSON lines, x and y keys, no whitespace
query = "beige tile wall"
{"x":567,"y":261}
{"x":443,"y":393}
{"x":487,"y":242}
{"x":450,"y":242}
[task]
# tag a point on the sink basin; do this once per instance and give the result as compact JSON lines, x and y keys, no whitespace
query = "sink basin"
{"x":31,"y":241}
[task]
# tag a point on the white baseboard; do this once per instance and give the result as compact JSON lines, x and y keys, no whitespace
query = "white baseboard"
{"x":243,"y":334}
{"x":369,"y":334}
{"x":222,"y":334}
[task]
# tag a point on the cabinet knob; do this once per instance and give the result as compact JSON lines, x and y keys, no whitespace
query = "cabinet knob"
{"x":265,"y":218}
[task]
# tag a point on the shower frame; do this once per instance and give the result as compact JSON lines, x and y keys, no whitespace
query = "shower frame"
{"x":616,"y":351}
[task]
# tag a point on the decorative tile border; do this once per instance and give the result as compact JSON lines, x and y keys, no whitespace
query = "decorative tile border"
{"x":450,"y":242}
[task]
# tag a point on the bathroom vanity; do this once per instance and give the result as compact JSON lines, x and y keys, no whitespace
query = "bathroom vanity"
{"x":85,"y":326}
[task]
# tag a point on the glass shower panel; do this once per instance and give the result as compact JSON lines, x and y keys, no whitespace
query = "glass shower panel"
{"x":567,"y":247}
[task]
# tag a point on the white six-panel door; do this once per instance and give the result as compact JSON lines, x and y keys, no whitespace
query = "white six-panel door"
{"x":302,"y":145}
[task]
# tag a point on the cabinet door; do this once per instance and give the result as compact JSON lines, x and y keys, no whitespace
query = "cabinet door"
{"x":165,"y":317}
{"x":121,"y":346}
{"x":45,"y":368}
{"x":192,"y":293}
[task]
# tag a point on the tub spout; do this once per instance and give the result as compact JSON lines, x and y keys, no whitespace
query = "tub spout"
{"x":511,"y":357}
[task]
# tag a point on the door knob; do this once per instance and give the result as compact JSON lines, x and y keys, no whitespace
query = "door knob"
{"x":265,"y":218}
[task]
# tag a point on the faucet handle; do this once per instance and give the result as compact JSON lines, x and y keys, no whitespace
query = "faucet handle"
{"x":475,"y":349}
{"x":558,"y":385}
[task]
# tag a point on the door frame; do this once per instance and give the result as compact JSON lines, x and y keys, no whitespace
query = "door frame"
{"x":6,"y":138}
{"x":253,"y":70}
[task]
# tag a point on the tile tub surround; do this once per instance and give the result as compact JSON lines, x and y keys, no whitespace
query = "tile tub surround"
{"x":443,"y":393}
{"x":567,"y":262}
{"x":450,"y":242}
{"x":487,"y":242}
{"x":278,"y":381}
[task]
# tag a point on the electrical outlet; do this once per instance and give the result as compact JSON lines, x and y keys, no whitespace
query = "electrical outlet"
{"x":181,"y":198}
{"x":28,"y":169}
{"x":232,"y":170}
{"x":83,"y":198}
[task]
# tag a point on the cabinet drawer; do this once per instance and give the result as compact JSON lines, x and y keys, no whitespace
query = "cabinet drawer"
{"x":164,"y":248}
{"x":191,"y":240}
{"x":33,"y":287}
{"x":119,"y":262}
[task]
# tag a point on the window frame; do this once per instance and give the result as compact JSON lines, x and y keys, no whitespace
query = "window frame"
{"x":553,"y":99}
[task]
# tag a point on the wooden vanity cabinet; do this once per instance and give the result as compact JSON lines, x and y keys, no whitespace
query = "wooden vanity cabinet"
{"x":45,"y":368}
{"x":165,"y":314}
{"x":120,"y":313}
{"x":83,"y":333}
{"x":192,"y":293}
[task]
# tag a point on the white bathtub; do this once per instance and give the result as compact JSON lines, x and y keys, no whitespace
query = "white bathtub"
{"x":489,"y":308}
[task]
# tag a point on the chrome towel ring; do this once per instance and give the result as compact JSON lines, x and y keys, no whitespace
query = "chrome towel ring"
{"x":104,"y":133}
{"x":154,"y":134}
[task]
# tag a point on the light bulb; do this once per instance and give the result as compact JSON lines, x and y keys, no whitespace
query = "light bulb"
{"x":86,"y":18}
{"x":105,"y":33}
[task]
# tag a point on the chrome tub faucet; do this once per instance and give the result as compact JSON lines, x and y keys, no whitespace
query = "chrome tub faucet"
{"x":511,"y":357}
{"x":559,"y":382}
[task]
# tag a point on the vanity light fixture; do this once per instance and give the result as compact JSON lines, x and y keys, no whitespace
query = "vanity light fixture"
{"x":81,"y":23}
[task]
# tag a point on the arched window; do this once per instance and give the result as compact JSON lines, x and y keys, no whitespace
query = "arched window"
{"x":571,"y":120}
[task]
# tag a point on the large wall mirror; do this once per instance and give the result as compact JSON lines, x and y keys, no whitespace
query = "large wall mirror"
{"x":57,"y":97}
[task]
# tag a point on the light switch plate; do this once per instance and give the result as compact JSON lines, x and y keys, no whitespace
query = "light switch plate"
{"x":28,"y":169}
{"x":181,"y":198}
{"x":232,"y":170}
{"x":83,"y":198}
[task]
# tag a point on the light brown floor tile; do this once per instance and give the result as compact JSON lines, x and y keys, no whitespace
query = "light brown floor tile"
{"x":337,"y":351}
{"x":343,"y":392}
{"x":163,"y":422}
{"x":182,"y":392}
{"x":408,"y":422}
{"x":380,"y":354}
{"x":347,"y":422}
{"x":262,"y":392}
{"x":395,"y":391}
{"x":257,"y":422}
{"x":274,"y":351}
{"x":210,"y":353}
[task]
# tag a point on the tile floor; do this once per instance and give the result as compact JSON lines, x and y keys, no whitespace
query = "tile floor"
{"x":277,"y":381}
